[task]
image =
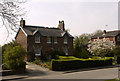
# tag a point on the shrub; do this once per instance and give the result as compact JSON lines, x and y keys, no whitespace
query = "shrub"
{"x":30,"y":56}
{"x":83,"y":53}
{"x":52,"y":54}
{"x":118,"y":60}
{"x":14,"y":58}
{"x":75,"y":63}
{"x":101,"y":47}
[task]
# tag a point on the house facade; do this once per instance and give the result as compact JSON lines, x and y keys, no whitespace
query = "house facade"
{"x":113,"y":36}
{"x":39,"y":39}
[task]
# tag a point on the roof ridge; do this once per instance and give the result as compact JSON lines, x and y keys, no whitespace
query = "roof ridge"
{"x":42,"y":27}
{"x":114,"y":31}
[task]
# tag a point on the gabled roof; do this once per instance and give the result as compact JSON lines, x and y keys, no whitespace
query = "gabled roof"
{"x":44,"y":31}
{"x":108,"y":34}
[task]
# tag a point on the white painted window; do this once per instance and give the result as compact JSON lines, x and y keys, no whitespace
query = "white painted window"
{"x":48,"y":40}
{"x":66,"y":51}
{"x":55,"y":40}
{"x":37,"y":39}
{"x":65,"y":40}
{"x":37,"y":52}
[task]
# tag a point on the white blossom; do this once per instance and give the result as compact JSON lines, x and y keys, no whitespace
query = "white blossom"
{"x":100,"y":47}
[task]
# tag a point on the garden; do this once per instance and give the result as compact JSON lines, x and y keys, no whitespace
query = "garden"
{"x":96,"y":54}
{"x":13,"y":55}
{"x":87,"y":54}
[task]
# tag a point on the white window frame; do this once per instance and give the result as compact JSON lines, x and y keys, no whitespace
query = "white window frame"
{"x":55,"y":40}
{"x":48,"y":40}
{"x":65,"y":40}
{"x":38,"y":52}
{"x":37,"y":39}
{"x":66,"y":51}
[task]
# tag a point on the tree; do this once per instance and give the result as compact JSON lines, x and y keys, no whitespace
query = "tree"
{"x":80,"y":43}
{"x":9,"y":46}
{"x":116,"y":51}
{"x":10,"y":11}
{"x":101,"y":47}
{"x":97,"y":32}
{"x":14,"y":58}
{"x":84,"y":39}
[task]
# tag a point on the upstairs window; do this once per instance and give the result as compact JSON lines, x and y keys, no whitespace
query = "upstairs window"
{"x":55,"y":40}
{"x":37,"y":39}
{"x":118,"y":38}
{"x":48,"y":40}
{"x":65,"y":40}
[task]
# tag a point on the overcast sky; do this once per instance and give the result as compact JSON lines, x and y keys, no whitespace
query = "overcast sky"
{"x":80,"y":16}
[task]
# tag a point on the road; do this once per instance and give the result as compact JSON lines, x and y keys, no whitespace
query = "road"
{"x":104,"y":73}
{"x":108,"y":73}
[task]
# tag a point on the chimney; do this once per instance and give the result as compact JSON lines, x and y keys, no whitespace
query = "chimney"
{"x":104,"y":32}
{"x":22,"y":22}
{"x":61,"y":25}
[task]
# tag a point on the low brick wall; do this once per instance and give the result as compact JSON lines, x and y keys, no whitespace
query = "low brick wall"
{"x":11,"y":72}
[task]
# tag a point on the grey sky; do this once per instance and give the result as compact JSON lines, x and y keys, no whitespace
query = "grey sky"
{"x":80,"y":17}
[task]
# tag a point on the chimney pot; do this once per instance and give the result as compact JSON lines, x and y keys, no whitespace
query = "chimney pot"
{"x":104,"y":32}
{"x":61,"y":25}
{"x":22,"y":22}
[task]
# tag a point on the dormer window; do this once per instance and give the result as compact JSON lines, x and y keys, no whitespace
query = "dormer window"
{"x":37,"y":39}
{"x":65,"y":40}
{"x":48,"y":40}
{"x":55,"y":40}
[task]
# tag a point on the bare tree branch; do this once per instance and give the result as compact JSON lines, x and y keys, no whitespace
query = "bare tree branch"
{"x":10,"y":12}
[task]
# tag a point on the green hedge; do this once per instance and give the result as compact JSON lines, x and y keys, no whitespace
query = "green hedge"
{"x":118,"y":60}
{"x":75,"y":63}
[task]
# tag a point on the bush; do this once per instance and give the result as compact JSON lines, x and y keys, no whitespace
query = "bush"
{"x":83,"y":53}
{"x":52,"y":54}
{"x":101,"y":47}
{"x":14,"y":58}
{"x":30,"y":56}
{"x":118,"y":60}
{"x":75,"y":63}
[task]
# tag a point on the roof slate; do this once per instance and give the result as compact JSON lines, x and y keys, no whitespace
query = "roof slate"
{"x":108,"y":34}
{"x":45,"y":31}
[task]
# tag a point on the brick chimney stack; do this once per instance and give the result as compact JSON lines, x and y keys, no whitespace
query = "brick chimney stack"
{"x":61,"y":25}
{"x":104,"y":32}
{"x":22,"y":22}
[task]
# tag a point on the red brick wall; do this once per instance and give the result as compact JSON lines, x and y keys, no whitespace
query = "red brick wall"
{"x":29,"y":43}
{"x":46,"y":46}
{"x":22,"y":39}
{"x":110,"y":38}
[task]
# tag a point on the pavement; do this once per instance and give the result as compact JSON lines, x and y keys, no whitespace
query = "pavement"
{"x":35,"y":72}
{"x":32,"y":70}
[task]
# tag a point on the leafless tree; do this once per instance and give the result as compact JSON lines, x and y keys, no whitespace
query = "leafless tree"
{"x":10,"y":12}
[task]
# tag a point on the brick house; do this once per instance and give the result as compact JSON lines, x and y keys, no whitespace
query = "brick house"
{"x":39,"y":39}
{"x":113,"y":36}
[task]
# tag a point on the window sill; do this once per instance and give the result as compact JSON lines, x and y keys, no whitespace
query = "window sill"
{"x":37,"y":54}
{"x":37,"y":42}
{"x":55,"y":42}
{"x":65,"y":43}
{"x":49,"y":42}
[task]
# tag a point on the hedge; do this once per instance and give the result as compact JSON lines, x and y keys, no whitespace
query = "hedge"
{"x":118,"y":60}
{"x":71,"y":64}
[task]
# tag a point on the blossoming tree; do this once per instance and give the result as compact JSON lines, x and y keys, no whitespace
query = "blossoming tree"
{"x":100,"y":47}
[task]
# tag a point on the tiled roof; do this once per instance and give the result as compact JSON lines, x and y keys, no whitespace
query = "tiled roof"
{"x":108,"y":34}
{"x":44,"y":31}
